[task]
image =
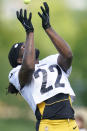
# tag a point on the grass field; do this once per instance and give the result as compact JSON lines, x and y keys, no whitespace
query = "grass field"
{"x":16,"y":125}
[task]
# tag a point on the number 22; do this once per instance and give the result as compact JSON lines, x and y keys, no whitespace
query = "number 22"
{"x":44,"y":82}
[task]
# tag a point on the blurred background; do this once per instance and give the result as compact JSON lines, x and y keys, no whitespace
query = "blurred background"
{"x":69,"y":20}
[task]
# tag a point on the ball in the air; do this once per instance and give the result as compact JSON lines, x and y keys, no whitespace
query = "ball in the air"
{"x":27,"y":1}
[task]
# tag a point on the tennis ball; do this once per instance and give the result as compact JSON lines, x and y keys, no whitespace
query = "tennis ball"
{"x":27,"y":1}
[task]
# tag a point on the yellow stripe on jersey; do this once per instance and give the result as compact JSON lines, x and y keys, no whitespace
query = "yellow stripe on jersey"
{"x":56,"y":102}
{"x":70,"y":100}
{"x":41,"y":107}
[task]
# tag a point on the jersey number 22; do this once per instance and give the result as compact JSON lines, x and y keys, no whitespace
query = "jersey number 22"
{"x":45,"y":89}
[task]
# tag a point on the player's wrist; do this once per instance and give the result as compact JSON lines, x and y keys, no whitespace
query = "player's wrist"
{"x":28,"y":31}
{"x":46,"y":26}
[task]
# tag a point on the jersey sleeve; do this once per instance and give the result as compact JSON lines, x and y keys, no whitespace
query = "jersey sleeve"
{"x":13,"y":77}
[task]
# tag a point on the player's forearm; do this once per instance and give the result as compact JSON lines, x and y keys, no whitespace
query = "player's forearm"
{"x":29,"y":53}
{"x":28,"y":64}
{"x":59,"y":43}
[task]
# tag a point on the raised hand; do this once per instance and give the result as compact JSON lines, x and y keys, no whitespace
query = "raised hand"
{"x":45,"y":16}
{"x":25,"y":21}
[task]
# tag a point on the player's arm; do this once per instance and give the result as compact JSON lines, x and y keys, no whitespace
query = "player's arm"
{"x":65,"y":57}
{"x":28,"y":63}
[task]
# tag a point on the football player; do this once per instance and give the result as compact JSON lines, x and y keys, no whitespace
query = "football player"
{"x":43,"y":84}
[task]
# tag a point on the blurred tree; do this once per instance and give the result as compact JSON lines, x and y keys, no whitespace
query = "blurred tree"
{"x":70,"y":24}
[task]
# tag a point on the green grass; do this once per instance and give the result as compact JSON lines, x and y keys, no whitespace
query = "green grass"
{"x":16,"y":125}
